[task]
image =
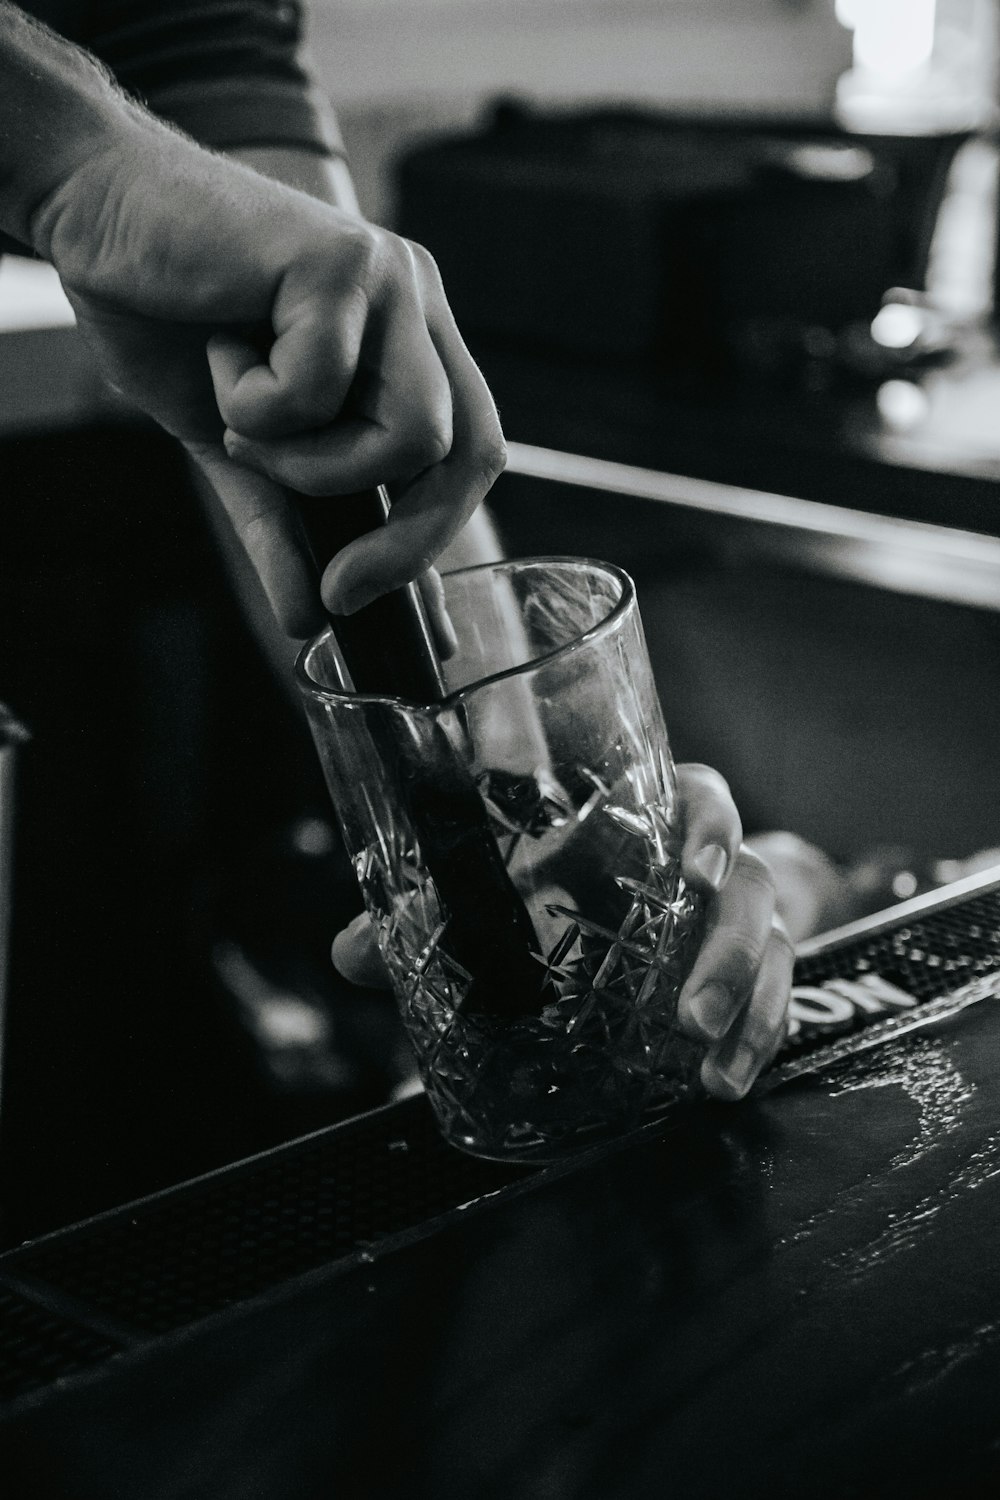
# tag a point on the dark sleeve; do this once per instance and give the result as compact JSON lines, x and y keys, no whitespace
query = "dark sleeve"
{"x":229,"y":72}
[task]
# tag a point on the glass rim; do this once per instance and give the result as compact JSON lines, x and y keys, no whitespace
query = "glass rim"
{"x":625,"y":601}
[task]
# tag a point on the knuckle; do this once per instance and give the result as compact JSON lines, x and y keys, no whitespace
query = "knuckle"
{"x":421,"y":436}
{"x":411,"y":455}
{"x":423,"y":260}
{"x":754,"y":870}
{"x":491,"y":456}
{"x":742,"y":959}
{"x":433,"y":444}
{"x":363,"y":255}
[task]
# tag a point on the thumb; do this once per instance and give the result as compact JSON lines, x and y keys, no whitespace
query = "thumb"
{"x":355,"y":954}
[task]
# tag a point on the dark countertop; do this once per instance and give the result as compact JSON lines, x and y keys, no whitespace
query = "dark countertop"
{"x":796,"y":1296}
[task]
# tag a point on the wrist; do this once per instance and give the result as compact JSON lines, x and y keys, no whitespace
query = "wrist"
{"x":58,"y":110}
{"x":324,"y":177}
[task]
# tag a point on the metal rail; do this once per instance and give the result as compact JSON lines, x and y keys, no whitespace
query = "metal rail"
{"x":917,"y":557}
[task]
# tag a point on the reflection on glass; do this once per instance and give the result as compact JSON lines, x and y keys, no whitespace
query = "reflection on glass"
{"x":553,"y":723}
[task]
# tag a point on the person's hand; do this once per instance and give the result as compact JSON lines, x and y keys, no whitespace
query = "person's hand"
{"x":286,"y":343}
{"x":735,"y":999}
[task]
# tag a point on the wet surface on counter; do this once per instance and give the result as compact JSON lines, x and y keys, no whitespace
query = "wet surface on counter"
{"x":795,"y":1296}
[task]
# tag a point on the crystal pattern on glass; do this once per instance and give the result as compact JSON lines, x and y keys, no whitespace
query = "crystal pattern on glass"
{"x":558,"y":728}
{"x":604,"y":1051}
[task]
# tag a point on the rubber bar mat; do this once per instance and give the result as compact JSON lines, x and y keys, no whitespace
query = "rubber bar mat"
{"x":72,"y":1299}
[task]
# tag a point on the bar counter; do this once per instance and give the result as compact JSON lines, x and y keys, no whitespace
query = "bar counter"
{"x":799,"y":1295}
{"x":794,"y":1296}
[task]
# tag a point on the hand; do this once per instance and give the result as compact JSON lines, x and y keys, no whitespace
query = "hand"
{"x":736,"y":997}
{"x":286,"y":343}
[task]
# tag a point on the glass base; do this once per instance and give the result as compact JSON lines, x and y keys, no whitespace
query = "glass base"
{"x":603,"y":1055}
{"x":525,"y":1093}
{"x":550,"y":1154}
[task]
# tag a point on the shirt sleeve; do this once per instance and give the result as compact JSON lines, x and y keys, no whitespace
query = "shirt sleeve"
{"x":228,"y":72}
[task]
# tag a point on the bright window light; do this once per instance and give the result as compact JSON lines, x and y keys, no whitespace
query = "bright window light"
{"x":891,"y":37}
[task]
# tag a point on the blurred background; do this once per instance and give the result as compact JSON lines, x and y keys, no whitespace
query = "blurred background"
{"x":730,"y":268}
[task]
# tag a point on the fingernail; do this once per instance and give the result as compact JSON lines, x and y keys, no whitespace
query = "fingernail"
{"x":711,"y":1010}
{"x":448,"y":643}
{"x":235,"y":446}
{"x":739,"y":1068}
{"x":711,"y":863}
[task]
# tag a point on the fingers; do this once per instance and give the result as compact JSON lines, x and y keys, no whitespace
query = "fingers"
{"x":335,"y":410}
{"x":737,"y":992}
{"x":396,"y":422}
{"x":712,"y":828}
{"x":317,"y":318}
{"x":442,"y":629}
{"x":736,"y":995}
{"x":758,"y":1031}
{"x":735,"y":1000}
{"x":355,"y":954}
{"x":419,"y":527}
{"x":430,"y":511}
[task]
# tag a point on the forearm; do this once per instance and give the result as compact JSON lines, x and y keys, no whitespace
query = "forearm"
{"x":171,"y":258}
{"x":57,"y":107}
{"x":325,"y":177}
